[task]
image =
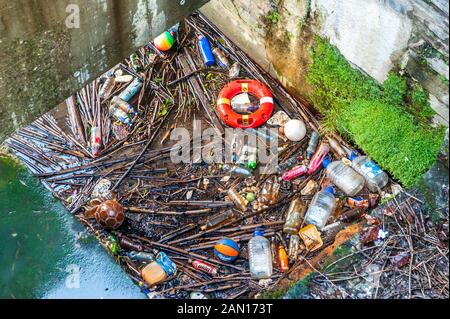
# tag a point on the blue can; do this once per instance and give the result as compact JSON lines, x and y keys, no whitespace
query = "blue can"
{"x":131,"y":90}
{"x":205,"y":50}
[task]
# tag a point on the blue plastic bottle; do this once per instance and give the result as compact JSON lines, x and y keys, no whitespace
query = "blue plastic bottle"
{"x":205,"y":50}
{"x":129,"y":93}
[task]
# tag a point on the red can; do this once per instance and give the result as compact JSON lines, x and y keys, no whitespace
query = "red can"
{"x":206,"y":268}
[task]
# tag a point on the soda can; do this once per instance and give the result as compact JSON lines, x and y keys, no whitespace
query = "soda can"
{"x":206,"y":268}
{"x":131,"y":90}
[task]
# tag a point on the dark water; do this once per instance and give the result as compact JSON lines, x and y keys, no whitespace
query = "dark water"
{"x":45,"y":252}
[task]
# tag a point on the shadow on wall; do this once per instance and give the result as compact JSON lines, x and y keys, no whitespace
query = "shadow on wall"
{"x":50,"y":49}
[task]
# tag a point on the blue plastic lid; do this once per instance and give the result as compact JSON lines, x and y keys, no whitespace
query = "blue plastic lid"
{"x":330,"y":190}
{"x":258,"y":232}
{"x":326,"y":161}
{"x":353,"y":155}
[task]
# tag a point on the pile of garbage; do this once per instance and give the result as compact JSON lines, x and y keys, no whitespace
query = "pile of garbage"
{"x":198,"y":229}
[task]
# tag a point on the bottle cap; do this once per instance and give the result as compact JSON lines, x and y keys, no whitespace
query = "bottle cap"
{"x":326,"y":161}
{"x":353,"y":155}
{"x":258,"y":232}
{"x":330,"y":190}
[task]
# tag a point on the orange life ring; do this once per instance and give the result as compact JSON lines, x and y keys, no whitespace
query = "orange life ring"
{"x":257,"y":118}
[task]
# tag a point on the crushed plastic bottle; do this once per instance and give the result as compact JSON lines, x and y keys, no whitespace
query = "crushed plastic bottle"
{"x":322,"y":206}
{"x":375,"y":178}
{"x":312,"y":145}
{"x":344,"y":177}
{"x":260,"y":256}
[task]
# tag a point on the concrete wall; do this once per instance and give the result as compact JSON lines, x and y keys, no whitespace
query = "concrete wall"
{"x":375,"y":35}
{"x":42,"y":61}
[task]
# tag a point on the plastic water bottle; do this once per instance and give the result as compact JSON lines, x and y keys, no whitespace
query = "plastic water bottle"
{"x":260,"y":256}
{"x":344,"y":177}
{"x":108,"y":86}
{"x":375,"y":178}
{"x":312,"y":145}
{"x":322,"y":206}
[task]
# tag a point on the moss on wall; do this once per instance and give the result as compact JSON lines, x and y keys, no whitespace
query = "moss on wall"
{"x":390,"y":121}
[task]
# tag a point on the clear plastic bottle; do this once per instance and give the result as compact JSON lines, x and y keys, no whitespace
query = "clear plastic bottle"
{"x":236,"y":170}
{"x":270,"y":192}
{"x":312,"y":145}
{"x":344,"y":177}
{"x":322,"y":206}
{"x":108,"y":86}
{"x":375,"y":178}
{"x":260,"y":256}
{"x":219,"y":219}
{"x":237,"y":200}
{"x":294,"y":216}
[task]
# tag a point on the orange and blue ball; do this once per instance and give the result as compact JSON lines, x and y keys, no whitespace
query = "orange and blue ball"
{"x":164,"y":42}
{"x":226,"y":250}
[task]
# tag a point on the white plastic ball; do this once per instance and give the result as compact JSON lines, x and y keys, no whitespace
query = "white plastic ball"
{"x":295,"y":130}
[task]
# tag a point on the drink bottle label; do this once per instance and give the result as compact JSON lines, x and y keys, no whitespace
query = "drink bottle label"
{"x":371,"y":169}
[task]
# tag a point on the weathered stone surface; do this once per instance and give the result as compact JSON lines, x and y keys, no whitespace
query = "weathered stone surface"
{"x":370,"y":35}
{"x":42,"y":61}
{"x":376,"y":36}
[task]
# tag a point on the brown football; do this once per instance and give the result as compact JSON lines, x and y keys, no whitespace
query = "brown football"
{"x":110,"y":214}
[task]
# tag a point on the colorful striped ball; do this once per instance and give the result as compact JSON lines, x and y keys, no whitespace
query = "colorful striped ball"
{"x":226,"y":250}
{"x":164,"y":42}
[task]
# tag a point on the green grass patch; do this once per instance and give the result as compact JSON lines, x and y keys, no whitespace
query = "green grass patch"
{"x":392,"y":139}
{"x":389,"y":121}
